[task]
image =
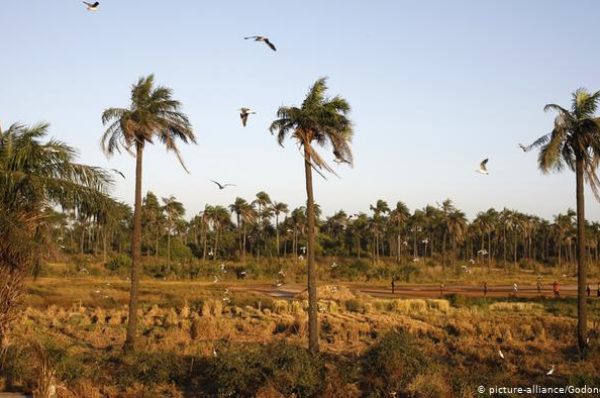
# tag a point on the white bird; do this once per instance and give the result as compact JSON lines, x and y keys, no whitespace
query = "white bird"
{"x":216,"y":279}
{"x":303,"y":249}
{"x":483,"y":167}
{"x":405,"y":243}
{"x":91,"y":6}
{"x":500,"y":353}
{"x":482,"y":252}
{"x":472,"y":261}
{"x":416,"y":260}
{"x":279,"y":284}
{"x":244,"y":112}
{"x":222,"y":266}
{"x":334,"y":265}
{"x":301,"y":257}
{"x":226,"y":291}
{"x":263,"y":39}
{"x":551,"y":371}
{"x":214,"y":352}
{"x":223,"y":186}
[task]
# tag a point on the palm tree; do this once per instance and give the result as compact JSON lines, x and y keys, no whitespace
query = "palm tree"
{"x":173,"y":210}
{"x":35,"y":177}
{"x":575,"y":141}
{"x":238,"y":207}
{"x":456,"y":224}
{"x":319,"y":120}
{"x":399,"y":217}
{"x":152,"y":114}
{"x":278,"y":208}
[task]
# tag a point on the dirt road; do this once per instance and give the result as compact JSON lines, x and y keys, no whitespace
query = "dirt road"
{"x":289,"y":291}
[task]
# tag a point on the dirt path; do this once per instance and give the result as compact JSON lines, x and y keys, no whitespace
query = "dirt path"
{"x":413,"y":290}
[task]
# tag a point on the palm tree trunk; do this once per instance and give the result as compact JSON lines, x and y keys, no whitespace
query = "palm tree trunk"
{"x":581,"y":266}
{"x":277,"y":233}
{"x":136,"y":252}
{"x":313,"y":331}
{"x":169,"y":251}
{"x":444,"y":251}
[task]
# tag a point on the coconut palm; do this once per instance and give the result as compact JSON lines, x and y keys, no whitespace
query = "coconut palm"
{"x":575,"y":142}
{"x":319,"y":120}
{"x":153,"y":114}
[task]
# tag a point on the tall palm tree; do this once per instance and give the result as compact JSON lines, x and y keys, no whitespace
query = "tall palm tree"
{"x":575,"y":141}
{"x":278,"y":208}
{"x":319,"y":120}
{"x":152,"y":114}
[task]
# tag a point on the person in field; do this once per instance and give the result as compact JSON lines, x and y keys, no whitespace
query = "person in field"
{"x":393,"y":285}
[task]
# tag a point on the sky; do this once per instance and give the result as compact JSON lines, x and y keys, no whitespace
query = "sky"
{"x":435,"y":87}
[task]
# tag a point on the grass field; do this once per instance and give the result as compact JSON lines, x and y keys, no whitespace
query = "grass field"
{"x":197,"y":340}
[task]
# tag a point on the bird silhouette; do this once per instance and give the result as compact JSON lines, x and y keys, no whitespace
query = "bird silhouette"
{"x":244,"y":112}
{"x":223,"y":186}
{"x":483,"y":167}
{"x":91,"y":6}
{"x":263,"y":39}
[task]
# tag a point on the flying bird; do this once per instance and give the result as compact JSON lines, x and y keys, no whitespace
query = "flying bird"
{"x":244,"y":112}
{"x":223,"y":186}
{"x":525,"y":148}
{"x":216,"y":279}
{"x":263,"y":39}
{"x":500,"y":353}
{"x":483,"y":167}
{"x":551,"y":371}
{"x":118,"y":172}
{"x":91,"y":6}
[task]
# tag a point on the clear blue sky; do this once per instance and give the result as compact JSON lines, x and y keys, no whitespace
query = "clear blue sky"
{"x":435,"y":87}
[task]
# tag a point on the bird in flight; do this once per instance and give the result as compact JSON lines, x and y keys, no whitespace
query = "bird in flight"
{"x":118,"y":172}
{"x":551,"y":371}
{"x":263,"y":39}
{"x":244,"y":112}
{"x":92,"y":6}
{"x":483,"y":167}
{"x":525,"y":148}
{"x":223,"y":186}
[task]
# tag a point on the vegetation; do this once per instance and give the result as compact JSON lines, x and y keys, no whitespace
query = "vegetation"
{"x":36,"y":177}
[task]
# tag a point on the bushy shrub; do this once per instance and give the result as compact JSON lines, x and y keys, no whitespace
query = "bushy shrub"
{"x":287,"y":368}
{"x":392,"y":364}
{"x":121,"y":262}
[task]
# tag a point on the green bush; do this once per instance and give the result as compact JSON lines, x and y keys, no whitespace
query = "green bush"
{"x":121,"y":262}
{"x":288,"y":368}
{"x":392,"y":364}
